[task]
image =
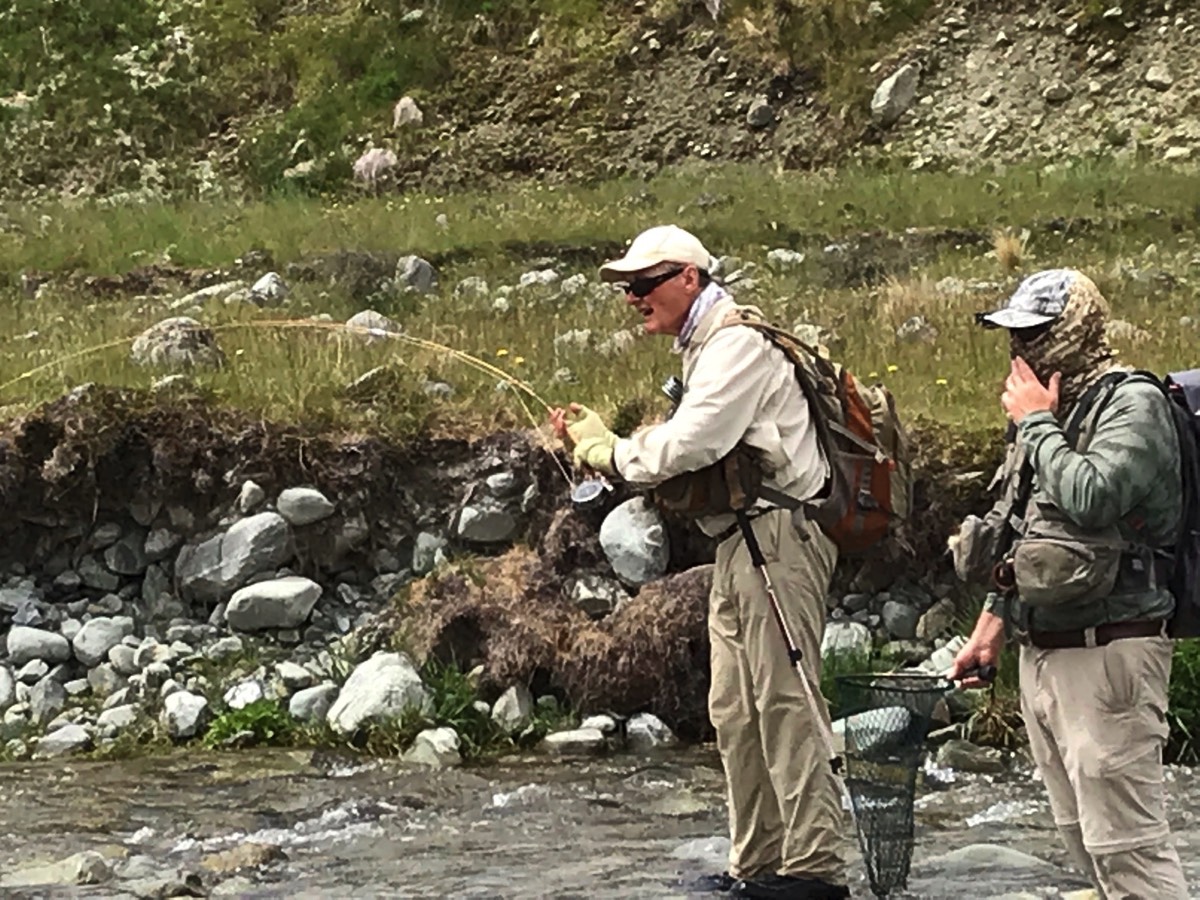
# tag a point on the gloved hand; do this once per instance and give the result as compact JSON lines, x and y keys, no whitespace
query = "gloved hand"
{"x":593,"y":441}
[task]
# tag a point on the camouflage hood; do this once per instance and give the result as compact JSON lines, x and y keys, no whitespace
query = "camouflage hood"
{"x":1056,"y":321}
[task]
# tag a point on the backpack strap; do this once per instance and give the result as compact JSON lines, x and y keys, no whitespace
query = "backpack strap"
{"x":753,"y":317}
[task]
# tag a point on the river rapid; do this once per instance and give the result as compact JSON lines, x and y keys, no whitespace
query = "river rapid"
{"x":309,"y":824}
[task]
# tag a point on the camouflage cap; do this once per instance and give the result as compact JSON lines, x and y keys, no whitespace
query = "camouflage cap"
{"x":1039,"y":299}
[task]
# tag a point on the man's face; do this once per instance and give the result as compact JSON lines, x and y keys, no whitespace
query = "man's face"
{"x":663,"y":295}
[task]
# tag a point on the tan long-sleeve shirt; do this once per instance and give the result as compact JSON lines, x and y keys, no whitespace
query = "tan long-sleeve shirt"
{"x":737,"y":387}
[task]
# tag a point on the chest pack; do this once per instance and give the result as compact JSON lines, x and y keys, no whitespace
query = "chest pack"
{"x":868,"y":495}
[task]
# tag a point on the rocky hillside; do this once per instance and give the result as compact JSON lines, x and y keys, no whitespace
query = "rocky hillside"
{"x":259,"y":95}
{"x":1049,"y":84}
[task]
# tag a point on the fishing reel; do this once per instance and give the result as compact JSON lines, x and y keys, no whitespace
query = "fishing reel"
{"x":591,"y":494}
{"x":1004,"y":578}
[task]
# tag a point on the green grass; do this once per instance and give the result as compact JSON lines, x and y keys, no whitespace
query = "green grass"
{"x":261,"y":722}
{"x":300,"y":374}
{"x":1184,"y":704}
{"x":148,"y":97}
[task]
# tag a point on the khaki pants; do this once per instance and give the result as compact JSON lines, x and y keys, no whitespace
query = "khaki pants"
{"x":785,"y":811}
{"x":1097,"y":725}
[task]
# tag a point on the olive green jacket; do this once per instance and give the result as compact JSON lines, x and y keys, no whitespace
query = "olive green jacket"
{"x":1129,"y":474}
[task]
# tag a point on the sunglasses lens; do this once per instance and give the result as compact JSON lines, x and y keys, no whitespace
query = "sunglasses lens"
{"x":1027,"y":335}
{"x":644,"y":287}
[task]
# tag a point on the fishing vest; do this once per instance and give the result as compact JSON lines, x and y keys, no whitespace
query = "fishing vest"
{"x":1026,"y":547}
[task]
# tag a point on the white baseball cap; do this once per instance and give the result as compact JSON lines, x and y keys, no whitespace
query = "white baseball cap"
{"x":660,"y":244}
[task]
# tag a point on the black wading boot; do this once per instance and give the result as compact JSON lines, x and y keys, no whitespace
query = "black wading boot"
{"x":789,"y":887}
{"x":711,"y":884}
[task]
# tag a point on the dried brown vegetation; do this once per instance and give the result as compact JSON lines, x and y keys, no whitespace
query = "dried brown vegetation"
{"x":512,"y":616}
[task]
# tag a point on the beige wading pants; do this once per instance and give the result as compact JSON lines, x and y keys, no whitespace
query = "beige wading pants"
{"x":1097,"y":725}
{"x":785,"y":810}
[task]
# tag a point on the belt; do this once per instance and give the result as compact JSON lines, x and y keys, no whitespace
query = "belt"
{"x":1096,"y":637}
{"x":722,"y":536}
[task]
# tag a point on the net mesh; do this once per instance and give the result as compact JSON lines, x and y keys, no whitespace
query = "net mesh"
{"x":886,"y":719}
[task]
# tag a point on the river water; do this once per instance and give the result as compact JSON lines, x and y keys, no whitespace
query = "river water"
{"x":624,"y":826}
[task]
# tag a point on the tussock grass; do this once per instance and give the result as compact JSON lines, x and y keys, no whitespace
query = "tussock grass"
{"x":1009,"y":249}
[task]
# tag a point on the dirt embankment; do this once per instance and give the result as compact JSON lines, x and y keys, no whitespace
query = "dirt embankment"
{"x":97,"y":455}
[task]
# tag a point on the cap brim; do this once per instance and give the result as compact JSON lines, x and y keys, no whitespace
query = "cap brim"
{"x":620,"y":269}
{"x":1015,"y":318}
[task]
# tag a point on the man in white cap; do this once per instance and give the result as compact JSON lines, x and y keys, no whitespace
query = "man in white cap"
{"x":785,"y":813}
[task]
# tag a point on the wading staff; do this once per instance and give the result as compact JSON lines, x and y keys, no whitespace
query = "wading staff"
{"x":795,"y":655}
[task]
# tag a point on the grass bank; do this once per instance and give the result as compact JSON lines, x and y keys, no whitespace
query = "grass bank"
{"x":878,"y":249}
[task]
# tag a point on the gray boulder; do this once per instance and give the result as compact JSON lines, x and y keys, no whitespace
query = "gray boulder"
{"x":514,"y":709}
{"x":435,"y":747}
{"x":486,"y":523}
{"x":370,"y":326}
{"x":210,"y":571}
{"x":634,"y":540}
{"x":312,"y":704}
{"x":178,"y":343}
{"x":68,"y":739}
{"x":98,"y":636}
{"x":183,"y":714}
{"x":416,"y":274}
{"x":244,"y":693}
{"x":429,"y":550}
{"x":25,"y":644}
{"x":279,"y":603}
{"x":303,"y":506}
{"x":895,"y":95}
{"x":270,"y":290}
{"x":384,"y":687}
{"x":128,"y":555}
{"x":117,"y":718}
{"x":47,"y":699}
{"x":900,"y":619}
{"x":647,"y":732}
{"x":575,"y":742}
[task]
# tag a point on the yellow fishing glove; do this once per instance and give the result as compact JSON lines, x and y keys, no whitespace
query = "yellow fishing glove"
{"x":593,"y":441}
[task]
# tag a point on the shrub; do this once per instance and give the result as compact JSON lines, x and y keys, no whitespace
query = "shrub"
{"x":263,"y":721}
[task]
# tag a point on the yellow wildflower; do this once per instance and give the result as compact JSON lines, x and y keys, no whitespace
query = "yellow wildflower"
{"x":517,"y":360}
{"x":893,"y":368}
{"x":941,"y":381}
{"x":502,"y":352}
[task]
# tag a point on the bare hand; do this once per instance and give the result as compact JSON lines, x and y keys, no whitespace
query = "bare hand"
{"x":983,"y":649}
{"x":1024,"y":392}
{"x":558,"y":421}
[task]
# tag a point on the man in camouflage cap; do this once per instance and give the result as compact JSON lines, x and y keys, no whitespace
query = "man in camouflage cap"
{"x":1080,"y":581}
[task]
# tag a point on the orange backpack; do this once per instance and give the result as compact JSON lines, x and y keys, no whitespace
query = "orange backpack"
{"x":869,"y":493}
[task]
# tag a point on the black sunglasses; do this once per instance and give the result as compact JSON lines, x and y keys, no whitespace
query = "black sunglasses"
{"x":1031,"y":334}
{"x":644,"y":287}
